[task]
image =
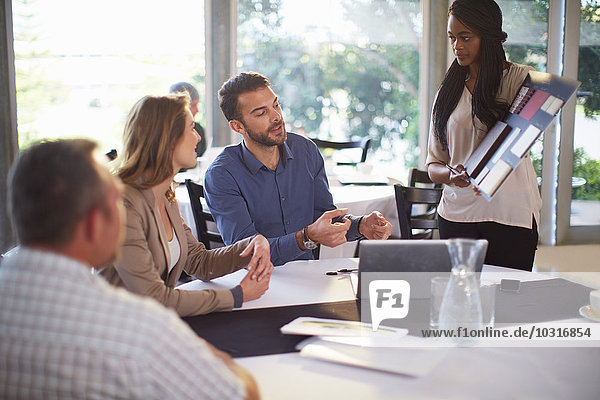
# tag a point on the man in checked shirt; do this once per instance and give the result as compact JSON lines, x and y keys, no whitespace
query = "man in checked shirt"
{"x":66,"y":333}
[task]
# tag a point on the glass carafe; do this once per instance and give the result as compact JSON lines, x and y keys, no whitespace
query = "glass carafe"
{"x":461,"y":304}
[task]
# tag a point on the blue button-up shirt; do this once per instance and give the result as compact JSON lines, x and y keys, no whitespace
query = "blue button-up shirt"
{"x":245,"y":197}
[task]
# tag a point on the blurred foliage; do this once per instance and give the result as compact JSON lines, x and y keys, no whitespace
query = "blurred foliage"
{"x":372,"y":89}
{"x":583,"y":167}
{"x":536,"y":159}
{"x":589,"y":75}
{"x":372,"y":86}
{"x":588,"y":169}
{"x":35,"y":88}
{"x":589,"y":57}
{"x":52,"y":104}
{"x":367,"y":86}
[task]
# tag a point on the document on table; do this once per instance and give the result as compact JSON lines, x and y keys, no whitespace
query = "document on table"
{"x":399,"y":360}
{"x":337,"y":327}
{"x":355,"y":343}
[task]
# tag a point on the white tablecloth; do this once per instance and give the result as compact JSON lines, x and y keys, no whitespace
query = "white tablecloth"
{"x":297,"y":282}
{"x":362,"y":200}
{"x":474,"y":373}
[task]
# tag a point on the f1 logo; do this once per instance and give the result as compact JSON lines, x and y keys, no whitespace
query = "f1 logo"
{"x":388,"y":299}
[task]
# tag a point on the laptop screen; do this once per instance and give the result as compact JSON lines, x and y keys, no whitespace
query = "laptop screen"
{"x":416,"y":261}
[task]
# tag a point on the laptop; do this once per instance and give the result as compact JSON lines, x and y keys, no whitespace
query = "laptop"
{"x":416,"y":261}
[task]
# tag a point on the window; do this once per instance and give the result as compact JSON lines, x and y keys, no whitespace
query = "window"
{"x":80,"y":66}
{"x":585,"y":203}
{"x":526,"y":23}
{"x":342,"y":68}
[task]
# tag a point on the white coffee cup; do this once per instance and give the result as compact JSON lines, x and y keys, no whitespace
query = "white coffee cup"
{"x":595,"y":301}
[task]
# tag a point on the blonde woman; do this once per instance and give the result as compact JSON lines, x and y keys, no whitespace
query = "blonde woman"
{"x":159,"y":140}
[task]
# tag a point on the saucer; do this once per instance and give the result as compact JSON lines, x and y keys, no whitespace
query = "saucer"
{"x":587,"y":312}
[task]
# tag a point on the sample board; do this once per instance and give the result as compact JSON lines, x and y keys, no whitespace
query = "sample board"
{"x":540,"y":98}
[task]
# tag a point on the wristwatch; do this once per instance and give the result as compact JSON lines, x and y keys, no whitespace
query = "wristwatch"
{"x":309,"y":244}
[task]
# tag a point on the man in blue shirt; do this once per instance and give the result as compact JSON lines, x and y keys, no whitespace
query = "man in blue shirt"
{"x":274,"y":182}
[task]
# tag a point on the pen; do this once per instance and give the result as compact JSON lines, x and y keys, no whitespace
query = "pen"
{"x":341,"y":271}
{"x":455,"y":171}
{"x":452,"y":169}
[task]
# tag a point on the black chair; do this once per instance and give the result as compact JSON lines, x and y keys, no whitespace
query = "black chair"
{"x":423,"y":223}
{"x":210,"y":239}
{"x":420,"y":178}
{"x":364,"y":144}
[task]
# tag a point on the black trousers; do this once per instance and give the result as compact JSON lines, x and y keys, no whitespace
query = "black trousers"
{"x":508,"y":246}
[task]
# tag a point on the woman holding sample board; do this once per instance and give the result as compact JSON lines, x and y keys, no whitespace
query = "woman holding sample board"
{"x":476,"y":92}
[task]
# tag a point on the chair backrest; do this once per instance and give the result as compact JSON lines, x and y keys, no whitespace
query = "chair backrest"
{"x":425,"y":223}
{"x":202,"y":216}
{"x":419,"y":177}
{"x":364,"y":144}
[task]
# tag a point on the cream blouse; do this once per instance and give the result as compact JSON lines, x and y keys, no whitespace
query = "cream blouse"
{"x":518,"y":198}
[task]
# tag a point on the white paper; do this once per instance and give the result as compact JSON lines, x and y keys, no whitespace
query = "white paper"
{"x":408,"y":341}
{"x":494,"y":179}
{"x":337,"y":327}
{"x":525,"y":141}
{"x":398,"y":360}
{"x":295,"y":283}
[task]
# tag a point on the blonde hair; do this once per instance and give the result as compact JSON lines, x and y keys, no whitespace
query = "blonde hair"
{"x":154,"y":126}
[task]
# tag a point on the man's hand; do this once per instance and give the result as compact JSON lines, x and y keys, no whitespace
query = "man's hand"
{"x":329,"y":233}
{"x":375,"y":226}
{"x":252,"y":289}
{"x":260,"y":265}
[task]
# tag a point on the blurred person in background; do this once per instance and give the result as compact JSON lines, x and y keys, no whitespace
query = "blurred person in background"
{"x":185,"y":87}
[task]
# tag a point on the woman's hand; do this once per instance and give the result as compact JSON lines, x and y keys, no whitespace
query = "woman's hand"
{"x":260,"y":265}
{"x":252,"y":289}
{"x":459,"y":176}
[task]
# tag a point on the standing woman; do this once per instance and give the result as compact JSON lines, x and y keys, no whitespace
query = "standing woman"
{"x":475,"y":93}
{"x":159,"y":140}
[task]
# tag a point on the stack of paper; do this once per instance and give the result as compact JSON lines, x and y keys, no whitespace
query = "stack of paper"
{"x":354,"y":343}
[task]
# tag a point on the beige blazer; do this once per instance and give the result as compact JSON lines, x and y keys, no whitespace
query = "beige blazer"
{"x":143,"y":263}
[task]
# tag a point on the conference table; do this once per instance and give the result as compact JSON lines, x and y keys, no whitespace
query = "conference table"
{"x":542,"y":370}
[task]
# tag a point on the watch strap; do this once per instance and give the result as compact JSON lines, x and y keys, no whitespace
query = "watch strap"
{"x":308,"y":243}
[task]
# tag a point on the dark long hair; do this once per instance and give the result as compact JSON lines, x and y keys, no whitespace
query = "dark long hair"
{"x":484,"y":18}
